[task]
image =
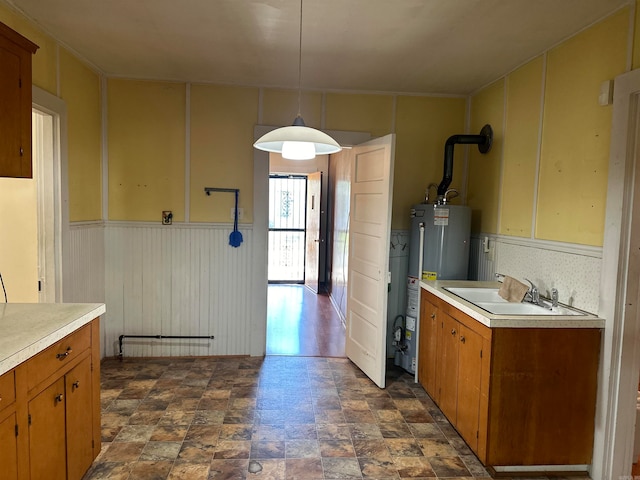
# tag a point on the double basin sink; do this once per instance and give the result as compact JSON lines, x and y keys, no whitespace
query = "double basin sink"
{"x":489,"y":300}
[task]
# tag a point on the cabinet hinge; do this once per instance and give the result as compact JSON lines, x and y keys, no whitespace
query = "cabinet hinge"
{"x":19,"y":83}
{"x":29,"y":419}
{"x":480,"y":353}
{"x":93,"y":444}
{"x":477,"y":433}
{"x":16,"y":429}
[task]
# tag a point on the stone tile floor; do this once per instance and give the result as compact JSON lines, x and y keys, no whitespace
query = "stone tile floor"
{"x":290,"y":418}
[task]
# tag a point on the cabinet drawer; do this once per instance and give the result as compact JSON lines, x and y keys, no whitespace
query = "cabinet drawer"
{"x":58,"y":355}
{"x":7,"y":389}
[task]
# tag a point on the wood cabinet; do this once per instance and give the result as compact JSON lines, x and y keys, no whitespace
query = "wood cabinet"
{"x":451,"y":360}
{"x":57,"y":410}
{"x":8,"y":427}
{"x":517,"y":396}
{"x":429,"y":321}
{"x":47,"y":432}
{"x":15,"y":103}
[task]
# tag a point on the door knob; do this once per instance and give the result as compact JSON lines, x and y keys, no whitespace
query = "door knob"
{"x":59,"y":397}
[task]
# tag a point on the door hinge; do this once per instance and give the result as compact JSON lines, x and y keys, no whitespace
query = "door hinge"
{"x":39,"y":285}
{"x":16,"y":429}
{"x":29,"y":419}
{"x":477,"y":433}
{"x":480,"y":353}
{"x":19,"y":82}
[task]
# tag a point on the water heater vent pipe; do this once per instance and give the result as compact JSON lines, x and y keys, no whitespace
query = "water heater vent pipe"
{"x":484,"y":141}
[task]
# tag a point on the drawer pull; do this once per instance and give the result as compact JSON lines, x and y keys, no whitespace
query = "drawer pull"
{"x":62,"y":356}
{"x":59,"y":397}
{"x":433,"y":315}
{"x":453,"y":331}
{"x":76,"y":384}
{"x":462,"y":339}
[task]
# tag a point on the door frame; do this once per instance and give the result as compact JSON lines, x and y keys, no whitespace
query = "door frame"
{"x":259,"y":279}
{"x":49,"y":104}
{"x":620,"y":352}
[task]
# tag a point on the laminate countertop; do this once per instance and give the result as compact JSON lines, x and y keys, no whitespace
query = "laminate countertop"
{"x":437,"y":288}
{"x":26,"y":329}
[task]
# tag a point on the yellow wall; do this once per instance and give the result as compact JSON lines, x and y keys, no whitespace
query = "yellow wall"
{"x":80,"y":89}
{"x":423,"y":125}
{"x":222,"y":121}
{"x":146,"y":142}
{"x":484,"y":169}
{"x":359,"y":113}
{"x":574,"y":145}
{"x":524,"y":108}
{"x":576,"y":133}
{"x":280,"y":107}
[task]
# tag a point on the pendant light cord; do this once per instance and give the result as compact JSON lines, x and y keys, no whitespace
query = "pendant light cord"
{"x":300,"y":64}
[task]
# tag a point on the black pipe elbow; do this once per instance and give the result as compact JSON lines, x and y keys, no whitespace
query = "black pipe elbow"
{"x":484,"y":141}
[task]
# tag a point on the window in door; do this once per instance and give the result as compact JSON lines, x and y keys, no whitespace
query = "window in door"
{"x":287,"y":220}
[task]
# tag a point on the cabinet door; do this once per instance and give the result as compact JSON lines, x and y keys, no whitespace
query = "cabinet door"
{"x":448,"y":367}
{"x":79,"y":419}
{"x":469,"y":378}
{"x":9,"y":449}
{"x":15,"y":103}
{"x":47,"y":452}
{"x":428,"y":344}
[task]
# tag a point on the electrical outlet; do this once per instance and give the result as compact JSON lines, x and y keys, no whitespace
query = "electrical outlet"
{"x":240,"y":213}
{"x":167,"y":217}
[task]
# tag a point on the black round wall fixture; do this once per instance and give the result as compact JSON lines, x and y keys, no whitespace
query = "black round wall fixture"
{"x":487,"y":133}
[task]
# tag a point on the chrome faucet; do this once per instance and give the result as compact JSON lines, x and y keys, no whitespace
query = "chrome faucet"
{"x":533,"y":293}
{"x":554,"y":297}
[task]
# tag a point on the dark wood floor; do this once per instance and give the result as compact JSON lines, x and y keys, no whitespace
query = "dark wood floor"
{"x":301,"y":322}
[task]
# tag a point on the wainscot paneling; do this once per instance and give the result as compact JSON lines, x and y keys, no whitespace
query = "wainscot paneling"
{"x":481,"y":261}
{"x":83,"y":280}
{"x":177,"y":280}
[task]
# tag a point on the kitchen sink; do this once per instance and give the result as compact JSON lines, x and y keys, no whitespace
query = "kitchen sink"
{"x":489,"y":300}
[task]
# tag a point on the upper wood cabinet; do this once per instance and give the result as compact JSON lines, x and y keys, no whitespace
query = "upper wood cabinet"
{"x":15,"y":103}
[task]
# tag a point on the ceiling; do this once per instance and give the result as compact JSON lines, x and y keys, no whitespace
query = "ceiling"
{"x":400,"y":46}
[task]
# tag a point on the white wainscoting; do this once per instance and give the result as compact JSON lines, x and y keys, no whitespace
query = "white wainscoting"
{"x":399,"y":268}
{"x":83,"y":280}
{"x":165,"y":280}
{"x":178,"y":280}
{"x":481,"y":263}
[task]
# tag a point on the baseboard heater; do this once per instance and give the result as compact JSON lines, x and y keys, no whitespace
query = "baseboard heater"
{"x":122,"y":337}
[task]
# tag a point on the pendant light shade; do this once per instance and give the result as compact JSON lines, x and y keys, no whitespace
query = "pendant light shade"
{"x":298,"y":142}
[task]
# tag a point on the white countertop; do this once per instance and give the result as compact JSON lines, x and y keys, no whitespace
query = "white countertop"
{"x":491,"y":320}
{"x":28,"y":328}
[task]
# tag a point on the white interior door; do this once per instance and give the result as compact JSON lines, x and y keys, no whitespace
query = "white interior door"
{"x":369,"y":234}
{"x":312,"y":250}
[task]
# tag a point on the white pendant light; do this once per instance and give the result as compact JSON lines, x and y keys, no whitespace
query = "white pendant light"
{"x":298,"y":142}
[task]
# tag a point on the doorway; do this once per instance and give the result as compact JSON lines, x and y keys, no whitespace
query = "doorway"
{"x":301,"y":320}
{"x":287,"y":228}
{"x":46,"y":155}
